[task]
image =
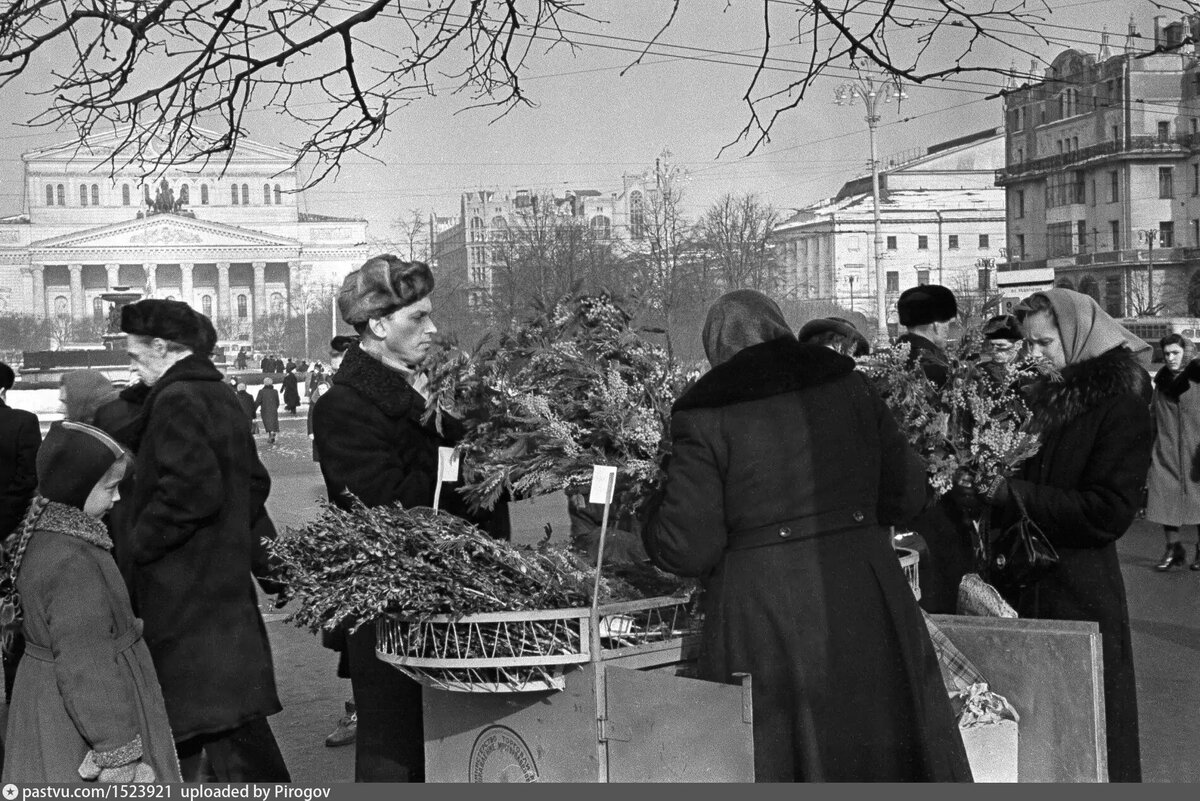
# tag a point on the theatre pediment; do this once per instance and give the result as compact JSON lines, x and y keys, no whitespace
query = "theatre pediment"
{"x":166,"y":231}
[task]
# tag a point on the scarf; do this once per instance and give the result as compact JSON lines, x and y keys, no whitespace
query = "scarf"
{"x":70,"y":520}
{"x":739,"y":320}
{"x":1085,"y":329}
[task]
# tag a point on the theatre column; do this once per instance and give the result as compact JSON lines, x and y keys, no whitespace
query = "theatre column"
{"x":76,"y":291}
{"x":186,"y":286}
{"x":222,"y":290}
{"x":38,"y":273}
{"x":114,"y":275}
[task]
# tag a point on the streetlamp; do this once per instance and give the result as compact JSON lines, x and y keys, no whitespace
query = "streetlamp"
{"x":872,"y":89}
{"x":1148,"y":236}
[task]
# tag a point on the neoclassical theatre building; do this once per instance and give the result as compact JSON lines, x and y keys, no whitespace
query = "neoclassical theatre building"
{"x":232,"y":242}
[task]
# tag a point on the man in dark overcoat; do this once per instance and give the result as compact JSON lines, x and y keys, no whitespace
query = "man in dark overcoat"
{"x":201,"y":491}
{"x":368,"y":431}
{"x":20,"y":437}
{"x":946,"y":548}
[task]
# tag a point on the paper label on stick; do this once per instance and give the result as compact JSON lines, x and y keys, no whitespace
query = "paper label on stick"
{"x":447,"y":465}
{"x":604,"y":479}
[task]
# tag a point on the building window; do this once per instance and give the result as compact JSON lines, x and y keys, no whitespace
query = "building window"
{"x":245,"y":194}
{"x":922,"y":277}
{"x":984,"y":242}
{"x":952,"y":242}
{"x":601,"y":226}
{"x":62,"y":307}
{"x":1020,"y":246}
{"x":233,"y":194}
{"x":1114,"y":233}
{"x":95,"y":194}
{"x":243,"y":307}
{"x":1164,"y":131}
{"x":1166,"y":234}
{"x":97,"y":310}
{"x":49,"y":195}
{"x":1060,"y":239}
{"x":124,"y":194}
{"x":60,"y":194}
{"x":477,"y":234}
{"x":266,"y":194}
{"x":922,"y":243}
{"x":276,"y":303}
{"x":478,"y":274}
{"x":893,"y":281}
{"x":1114,"y":186}
{"x":82,"y":195}
{"x":637,"y":215}
{"x":1019,"y":198}
{"x":1116,"y":133}
{"x":1113,"y":302}
{"x":891,"y":243}
{"x":206,"y":305}
{"x":278,"y":195}
{"x":1166,"y":181}
{"x":1081,"y":236}
{"x":203,"y":194}
{"x":185,"y":195}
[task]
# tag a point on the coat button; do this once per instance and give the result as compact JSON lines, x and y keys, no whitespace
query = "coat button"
{"x":858,"y":517}
{"x":785,"y":532}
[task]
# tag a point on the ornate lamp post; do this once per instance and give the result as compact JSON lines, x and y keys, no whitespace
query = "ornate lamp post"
{"x":873,"y":89}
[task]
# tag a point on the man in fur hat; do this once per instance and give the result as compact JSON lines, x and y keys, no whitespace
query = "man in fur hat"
{"x":926,"y":312}
{"x":198,"y":501}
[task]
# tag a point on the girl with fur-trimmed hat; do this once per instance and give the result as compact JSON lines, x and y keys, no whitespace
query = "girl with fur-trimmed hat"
{"x":87,"y":705}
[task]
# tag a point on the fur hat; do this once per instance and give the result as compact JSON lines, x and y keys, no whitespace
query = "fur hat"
{"x":71,"y":459}
{"x":837,"y":326}
{"x":382,"y":285}
{"x":1002,"y":326}
{"x":922,"y":305}
{"x":172,"y":320}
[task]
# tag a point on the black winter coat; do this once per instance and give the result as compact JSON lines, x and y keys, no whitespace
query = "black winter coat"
{"x":785,"y":465}
{"x":367,"y":428}
{"x":932,"y":358}
{"x":291,"y":392}
{"x":200,"y":493}
{"x":20,"y":438}
{"x":1084,"y":489}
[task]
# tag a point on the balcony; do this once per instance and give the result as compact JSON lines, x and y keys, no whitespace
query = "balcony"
{"x":1136,"y":256}
{"x":1149,"y":145}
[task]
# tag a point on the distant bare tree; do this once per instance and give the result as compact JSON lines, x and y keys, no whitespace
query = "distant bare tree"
{"x":734,"y":234}
{"x":179,"y":75}
{"x":20,"y":332}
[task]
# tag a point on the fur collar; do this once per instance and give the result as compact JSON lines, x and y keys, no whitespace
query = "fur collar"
{"x":63,"y":519}
{"x":1175,"y":384}
{"x":762,"y":371}
{"x":386,"y":388}
{"x":1086,"y":385}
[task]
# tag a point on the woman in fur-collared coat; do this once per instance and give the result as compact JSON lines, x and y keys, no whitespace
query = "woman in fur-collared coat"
{"x":1084,"y":487}
{"x":1173,"y":486}
{"x":785,"y":466}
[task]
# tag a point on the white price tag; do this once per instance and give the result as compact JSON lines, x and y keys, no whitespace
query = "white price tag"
{"x":604,"y":479}
{"x":447,"y":465}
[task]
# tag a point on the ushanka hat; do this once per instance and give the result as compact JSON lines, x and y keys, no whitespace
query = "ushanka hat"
{"x":71,"y":459}
{"x":172,"y":320}
{"x":1002,"y":326}
{"x":922,"y":305}
{"x":382,"y":285}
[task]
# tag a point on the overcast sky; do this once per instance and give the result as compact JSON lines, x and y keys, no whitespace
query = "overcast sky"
{"x":591,"y":123}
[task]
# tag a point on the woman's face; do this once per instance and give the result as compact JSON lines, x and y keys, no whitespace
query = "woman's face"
{"x":1173,"y":355}
{"x":1041,"y":333}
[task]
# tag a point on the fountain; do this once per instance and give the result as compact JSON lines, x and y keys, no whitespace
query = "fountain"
{"x":46,"y":367}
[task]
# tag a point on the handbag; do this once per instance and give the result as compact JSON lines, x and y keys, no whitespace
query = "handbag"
{"x":1021,"y":554}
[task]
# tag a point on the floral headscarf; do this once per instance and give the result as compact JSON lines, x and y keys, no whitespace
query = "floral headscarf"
{"x":1086,"y":330}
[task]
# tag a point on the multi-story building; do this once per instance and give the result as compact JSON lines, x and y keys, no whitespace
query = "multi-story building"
{"x":941,"y":220}
{"x":231,"y":240}
{"x":464,"y":259}
{"x":1102,"y":175}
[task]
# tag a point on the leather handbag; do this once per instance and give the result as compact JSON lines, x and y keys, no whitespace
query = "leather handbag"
{"x":1021,"y":554}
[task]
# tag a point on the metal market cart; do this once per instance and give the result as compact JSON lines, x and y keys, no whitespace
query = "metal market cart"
{"x":572,"y":695}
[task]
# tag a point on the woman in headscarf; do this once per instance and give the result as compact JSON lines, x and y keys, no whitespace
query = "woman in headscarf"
{"x":1084,"y":487}
{"x":82,"y":393}
{"x":1173,"y":486}
{"x":785,"y":466}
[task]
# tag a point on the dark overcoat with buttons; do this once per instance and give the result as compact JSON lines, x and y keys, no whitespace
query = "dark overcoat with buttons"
{"x":785,"y":467}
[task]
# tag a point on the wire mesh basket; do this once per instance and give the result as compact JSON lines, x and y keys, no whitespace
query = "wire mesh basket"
{"x":522,"y":651}
{"x":908,"y":563}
